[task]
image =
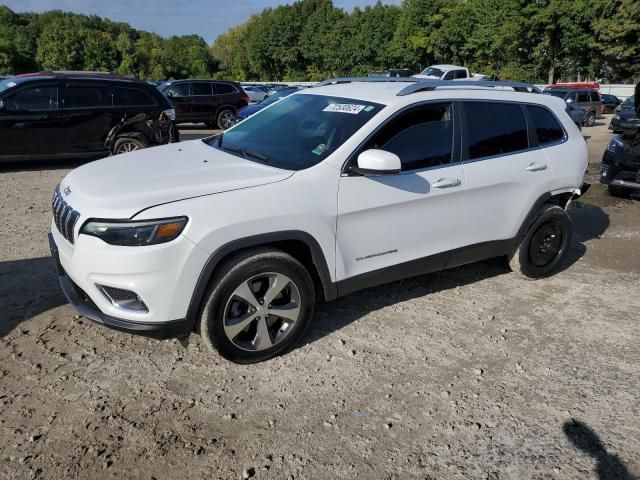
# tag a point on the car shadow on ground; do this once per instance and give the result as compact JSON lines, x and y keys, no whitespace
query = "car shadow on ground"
{"x":589,"y":223}
{"x":608,"y":466}
{"x":27,"y":289}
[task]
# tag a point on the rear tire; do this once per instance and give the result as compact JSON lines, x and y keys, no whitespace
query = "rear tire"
{"x":127,"y":145}
{"x":590,"y":120}
{"x":226,"y":118}
{"x":545,"y":244}
{"x":258,"y":304}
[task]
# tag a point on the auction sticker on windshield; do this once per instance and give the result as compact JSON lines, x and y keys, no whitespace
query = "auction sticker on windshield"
{"x":344,"y":108}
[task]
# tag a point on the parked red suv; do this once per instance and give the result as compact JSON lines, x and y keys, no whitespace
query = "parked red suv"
{"x":206,"y":101}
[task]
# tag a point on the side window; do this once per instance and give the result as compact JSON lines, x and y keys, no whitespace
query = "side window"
{"x":460,"y":74}
{"x":179,"y":90}
{"x":86,"y":97}
{"x":131,"y":97}
{"x":33,"y":99}
{"x":422,"y":137}
{"x":583,"y":97}
{"x":572,"y":96}
{"x":449,"y":75}
{"x":494,"y":128}
{"x":547,"y":127}
{"x":223,"y":88}
{"x":595,"y":96}
{"x":199,"y":88}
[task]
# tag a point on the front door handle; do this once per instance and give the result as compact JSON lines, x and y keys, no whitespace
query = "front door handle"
{"x":447,"y":183}
{"x":536,"y":167}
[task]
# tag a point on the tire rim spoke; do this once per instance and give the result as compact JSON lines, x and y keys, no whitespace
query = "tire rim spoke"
{"x":262,"y":311}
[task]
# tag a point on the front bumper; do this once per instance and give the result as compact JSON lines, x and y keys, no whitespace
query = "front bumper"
{"x":620,"y":172}
{"x":80,"y":290}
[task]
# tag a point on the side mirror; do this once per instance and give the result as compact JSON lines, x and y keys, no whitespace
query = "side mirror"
{"x":377,"y":162}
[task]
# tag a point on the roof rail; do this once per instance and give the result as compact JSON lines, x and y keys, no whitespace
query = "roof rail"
{"x":423,"y":85}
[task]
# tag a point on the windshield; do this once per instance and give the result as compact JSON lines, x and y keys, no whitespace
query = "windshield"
{"x":432,"y":71}
{"x":630,"y":100}
{"x":297,"y":132}
{"x":277,"y":96}
{"x":6,"y":84}
{"x":556,"y":93}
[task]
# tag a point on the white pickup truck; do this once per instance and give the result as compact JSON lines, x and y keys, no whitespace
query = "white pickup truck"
{"x":449,"y":72}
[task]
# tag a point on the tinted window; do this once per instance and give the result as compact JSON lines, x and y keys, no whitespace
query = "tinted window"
{"x":547,"y":126}
{"x":460,"y":74}
{"x":298,"y":131}
{"x":583,"y":97}
{"x":556,"y":93}
{"x":421,"y":137}
{"x":180,"y":90}
{"x":129,"y":97}
{"x":200,"y":89}
{"x":225,"y":88}
{"x":495,"y":128}
{"x":87,"y":97}
{"x":595,"y":96}
{"x":37,"y":98}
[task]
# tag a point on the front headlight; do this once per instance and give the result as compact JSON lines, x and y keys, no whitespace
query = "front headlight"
{"x":135,"y":233}
{"x":614,"y":144}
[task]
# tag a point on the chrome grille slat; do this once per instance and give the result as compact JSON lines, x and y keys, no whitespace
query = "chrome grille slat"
{"x":64,"y":216}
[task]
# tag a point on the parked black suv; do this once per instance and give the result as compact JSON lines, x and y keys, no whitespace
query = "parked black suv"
{"x":206,"y":101}
{"x":80,"y":114}
{"x":621,"y":159}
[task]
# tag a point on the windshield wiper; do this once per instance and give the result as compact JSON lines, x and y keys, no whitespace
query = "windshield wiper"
{"x":255,"y":155}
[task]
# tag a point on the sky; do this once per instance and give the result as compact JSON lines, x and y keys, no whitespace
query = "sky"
{"x":207,"y":18}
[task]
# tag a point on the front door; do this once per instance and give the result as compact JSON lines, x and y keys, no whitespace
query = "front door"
{"x":88,"y":112}
{"x":180,"y":98}
{"x":30,"y":122}
{"x":405,"y":221}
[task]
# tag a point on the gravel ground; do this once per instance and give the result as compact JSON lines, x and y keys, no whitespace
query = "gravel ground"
{"x":464,"y":374}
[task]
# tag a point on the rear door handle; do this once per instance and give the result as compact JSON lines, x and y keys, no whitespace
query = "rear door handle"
{"x":447,"y":183}
{"x":536,"y":167}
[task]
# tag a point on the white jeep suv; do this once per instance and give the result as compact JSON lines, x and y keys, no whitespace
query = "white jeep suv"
{"x":351,"y":184}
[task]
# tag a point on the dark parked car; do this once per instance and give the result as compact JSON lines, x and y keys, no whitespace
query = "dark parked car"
{"x":625,"y":116}
{"x":610,"y":102}
{"x":206,"y":101}
{"x":255,"y":108}
{"x":621,"y":159}
{"x":75,"y":114}
{"x":585,"y":98}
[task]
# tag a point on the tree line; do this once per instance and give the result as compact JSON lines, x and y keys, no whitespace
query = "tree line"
{"x":526,"y":40}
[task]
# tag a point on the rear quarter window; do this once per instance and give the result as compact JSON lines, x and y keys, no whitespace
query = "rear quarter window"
{"x":546,"y":125}
{"x":131,"y":97}
{"x":494,"y":128}
{"x":86,"y":97}
{"x":222,"y":88}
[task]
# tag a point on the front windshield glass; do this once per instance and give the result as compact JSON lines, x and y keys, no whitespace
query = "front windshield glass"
{"x":277,"y":96}
{"x":297,"y":132}
{"x":432,"y":71}
{"x":6,"y":84}
{"x":631,"y":100}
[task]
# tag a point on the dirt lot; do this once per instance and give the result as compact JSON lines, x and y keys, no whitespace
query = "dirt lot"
{"x":464,"y":374}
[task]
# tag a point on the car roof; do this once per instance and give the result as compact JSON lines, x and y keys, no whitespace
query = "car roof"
{"x":446,"y":66}
{"x":393,"y":93}
{"x":88,"y":76}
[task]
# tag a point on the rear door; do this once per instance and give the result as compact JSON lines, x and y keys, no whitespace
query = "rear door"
{"x":505,"y":173}
{"x":88,"y":116}
{"x":387,"y":221}
{"x":31,"y":123}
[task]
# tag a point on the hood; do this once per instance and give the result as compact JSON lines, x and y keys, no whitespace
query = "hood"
{"x":421,"y":75}
{"x":122,"y":185}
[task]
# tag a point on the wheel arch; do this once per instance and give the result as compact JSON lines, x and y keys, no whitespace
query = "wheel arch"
{"x":300,"y":245}
{"x":560,"y":199}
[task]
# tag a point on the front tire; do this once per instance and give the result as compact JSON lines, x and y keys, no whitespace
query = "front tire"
{"x":258,"y":304}
{"x":127,"y":145}
{"x":545,"y":244}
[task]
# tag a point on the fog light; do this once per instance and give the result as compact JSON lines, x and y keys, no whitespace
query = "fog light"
{"x":125,"y":299}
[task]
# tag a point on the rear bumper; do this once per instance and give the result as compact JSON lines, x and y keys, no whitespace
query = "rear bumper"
{"x":87,"y":308}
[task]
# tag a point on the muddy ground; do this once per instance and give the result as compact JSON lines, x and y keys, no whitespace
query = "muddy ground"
{"x":464,"y":374}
